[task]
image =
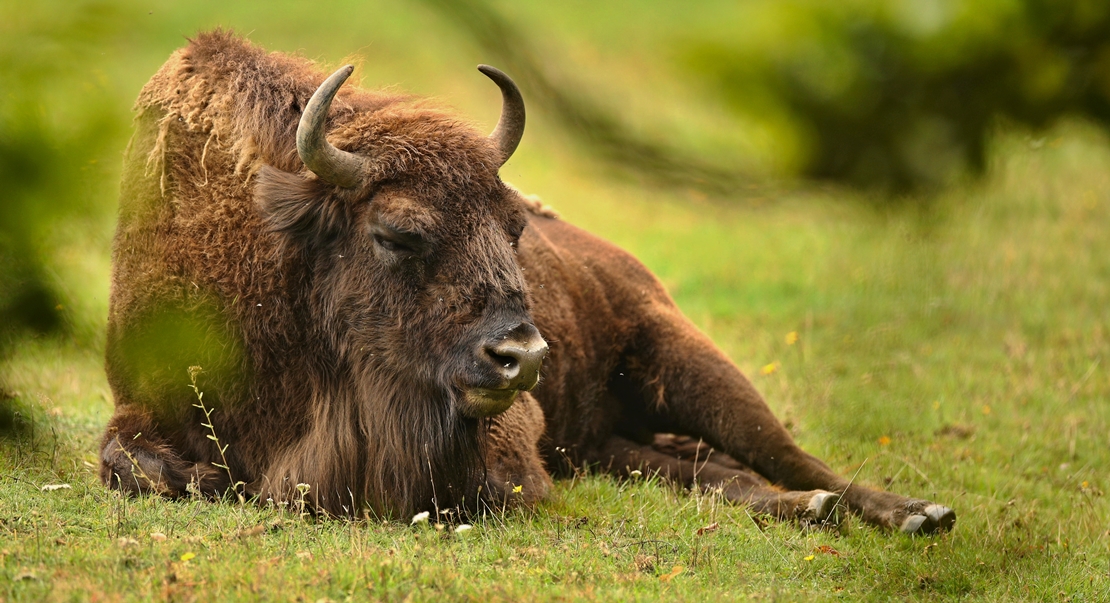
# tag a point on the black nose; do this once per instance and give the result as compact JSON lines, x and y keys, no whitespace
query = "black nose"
{"x":517,"y":357}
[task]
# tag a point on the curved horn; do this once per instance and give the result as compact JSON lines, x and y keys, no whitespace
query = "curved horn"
{"x":510,"y":128}
{"x":327,"y":162}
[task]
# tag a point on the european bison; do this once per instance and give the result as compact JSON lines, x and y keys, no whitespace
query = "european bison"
{"x":360,"y":299}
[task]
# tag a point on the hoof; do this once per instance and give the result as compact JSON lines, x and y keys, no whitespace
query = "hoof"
{"x":943,"y":517}
{"x":822,"y":509}
{"x":933,"y":519}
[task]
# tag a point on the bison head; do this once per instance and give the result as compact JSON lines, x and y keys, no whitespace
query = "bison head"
{"x":407,"y":243}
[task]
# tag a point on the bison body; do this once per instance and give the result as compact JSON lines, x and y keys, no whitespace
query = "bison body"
{"x":352,"y":314}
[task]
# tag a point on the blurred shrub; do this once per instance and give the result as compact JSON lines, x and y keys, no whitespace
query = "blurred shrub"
{"x":897,"y":93}
{"x":53,"y":124}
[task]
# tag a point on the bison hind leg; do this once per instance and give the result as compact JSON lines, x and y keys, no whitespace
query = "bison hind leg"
{"x":692,"y":465}
{"x":820,"y":508}
{"x":136,"y":464}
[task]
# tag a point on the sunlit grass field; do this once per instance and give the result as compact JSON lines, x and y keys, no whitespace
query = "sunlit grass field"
{"x":955,"y":347}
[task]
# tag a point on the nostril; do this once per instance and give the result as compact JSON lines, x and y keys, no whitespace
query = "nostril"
{"x":505,"y":362}
{"x":516,"y":357}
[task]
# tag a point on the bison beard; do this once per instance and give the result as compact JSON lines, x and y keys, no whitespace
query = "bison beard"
{"x":348,"y":272}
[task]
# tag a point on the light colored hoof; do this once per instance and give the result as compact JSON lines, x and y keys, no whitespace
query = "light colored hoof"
{"x":943,"y":517}
{"x":931,"y":520}
{"x":822,"y":509}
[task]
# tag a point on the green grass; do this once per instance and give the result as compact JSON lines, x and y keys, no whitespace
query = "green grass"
{"x":960,"y":353}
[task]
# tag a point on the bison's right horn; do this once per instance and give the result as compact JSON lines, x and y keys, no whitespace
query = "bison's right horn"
{"x":327,"y":162}
{"x":510,"y":128}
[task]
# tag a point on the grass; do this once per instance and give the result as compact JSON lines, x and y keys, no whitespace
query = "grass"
{"x":959,"y":353}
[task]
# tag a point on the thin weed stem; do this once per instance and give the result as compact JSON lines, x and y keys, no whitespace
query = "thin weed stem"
{"x":222,"y":448}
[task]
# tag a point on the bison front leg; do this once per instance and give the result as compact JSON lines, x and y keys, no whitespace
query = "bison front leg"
{"x":135,"y":459}
{"x":687,"y":385}
{"x":514,"y":470}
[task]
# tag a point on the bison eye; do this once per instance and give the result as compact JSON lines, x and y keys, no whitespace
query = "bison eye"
{"x":394,"y":245}
{"x":398,"y":242}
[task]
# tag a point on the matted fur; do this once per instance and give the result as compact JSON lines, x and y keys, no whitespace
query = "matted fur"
{"x":334,"y":361}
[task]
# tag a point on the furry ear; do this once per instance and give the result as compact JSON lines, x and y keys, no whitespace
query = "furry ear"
{"x":301,"y":209}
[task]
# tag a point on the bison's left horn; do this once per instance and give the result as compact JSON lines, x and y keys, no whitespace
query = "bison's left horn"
{"x":327,"y":162}
{"x":510,"y":128}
